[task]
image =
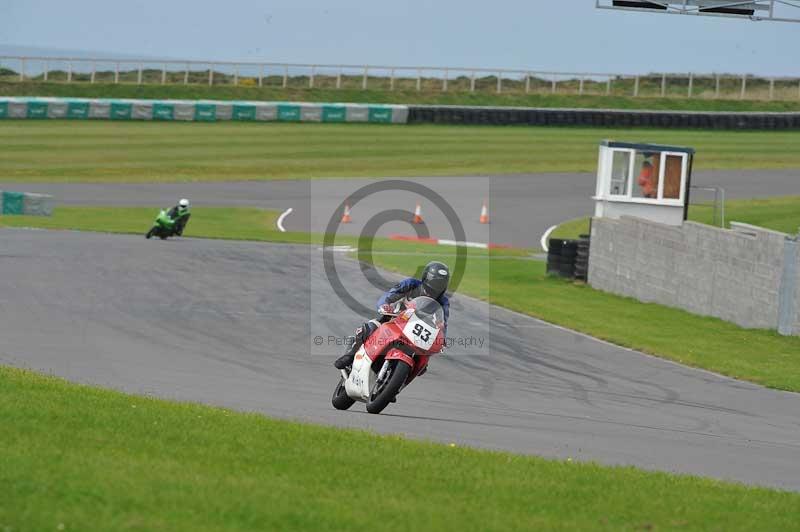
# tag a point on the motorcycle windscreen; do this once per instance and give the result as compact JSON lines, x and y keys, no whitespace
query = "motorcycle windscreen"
{"x":428,"y":310}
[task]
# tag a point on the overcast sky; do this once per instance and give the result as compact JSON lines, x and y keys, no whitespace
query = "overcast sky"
{"x":564,"y":35}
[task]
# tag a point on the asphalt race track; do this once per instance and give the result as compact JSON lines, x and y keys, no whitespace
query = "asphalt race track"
{"x":232,"y":323}
{"x":522,"y":207}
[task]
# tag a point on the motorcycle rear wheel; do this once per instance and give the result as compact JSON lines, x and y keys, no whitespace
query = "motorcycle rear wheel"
{"x":383,"y":395}
{"x":340,"y":399}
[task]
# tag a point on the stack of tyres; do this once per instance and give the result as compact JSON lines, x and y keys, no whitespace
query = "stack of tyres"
{"x":569,"y":251}
{"x":554,"y":256}
{"x":582,"y":258}
{"x":561,"y":257}
{"x":568,"y":258}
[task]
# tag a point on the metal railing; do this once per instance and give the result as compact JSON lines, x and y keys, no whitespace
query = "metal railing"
{"x":719,"y":203}
{"x":401,"y":78}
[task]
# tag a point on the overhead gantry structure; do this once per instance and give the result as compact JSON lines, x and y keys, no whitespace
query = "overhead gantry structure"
{"x":770,"y":10}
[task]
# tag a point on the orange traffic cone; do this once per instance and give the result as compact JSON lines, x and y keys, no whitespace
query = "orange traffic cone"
{"x":417,"y":215}
{"x":346,"y":216}
{"x":484,"y":214}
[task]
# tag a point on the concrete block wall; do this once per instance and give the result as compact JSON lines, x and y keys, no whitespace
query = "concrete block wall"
{"x":730,"y":274}
{"x":796,"y":322}
{"x":796,"y":326}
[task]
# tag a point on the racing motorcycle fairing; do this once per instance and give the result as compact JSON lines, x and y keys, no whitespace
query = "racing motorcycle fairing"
{"x":411,"y":337}
{"x":362,"y":377}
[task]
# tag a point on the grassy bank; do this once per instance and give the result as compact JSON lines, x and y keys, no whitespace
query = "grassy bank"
{"x":80,"y":458}
{"x":430,"y":95}
{"x":781,"y":214}
{"x":239,"y":223}
{"x":756,"y":355}
{"x":89,"y":151}
{"x":759,"y":356}
{"x":206,"y":222}
{"x":510,"y":281}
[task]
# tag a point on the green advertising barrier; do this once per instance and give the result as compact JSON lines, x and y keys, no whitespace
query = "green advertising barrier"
{"x":380,"y":115}
{"x":288,"y":113}
{"x":163,"y":111}
{"x":78,"y":110}
{"x":13,"y":203}
{"x":120,"y":111}
{"x":23,"y":203}
{"x":334,"y":113}
{"x":201,"y":111}
{"x":243,"y":112}
{"x":37,"y":110}
{"x":205,"y":112}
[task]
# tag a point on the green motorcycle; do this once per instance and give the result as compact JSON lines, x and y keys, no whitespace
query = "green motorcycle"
{"x":164,"y":227}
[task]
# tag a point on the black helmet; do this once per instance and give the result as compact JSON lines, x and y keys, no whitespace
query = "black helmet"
{"x":435,"y":278}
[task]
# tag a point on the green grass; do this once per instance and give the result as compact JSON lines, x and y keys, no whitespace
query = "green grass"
{"x":756,"y":355}
{"x":760,"y":356}
{"x":206,"y":222}
{"x":571,"y":228}
{"x":508,"y":280}
{"x":130,"y":152}
{"x":780,"y":214}
{"x":429,"y":95}
{"x":239,"y":223}
{"x":82,"y":458}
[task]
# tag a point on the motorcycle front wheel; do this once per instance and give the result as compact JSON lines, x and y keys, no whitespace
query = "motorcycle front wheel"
{"x":340,"y":399}
{"x":150,"y":233}
{"x":386,"y":390}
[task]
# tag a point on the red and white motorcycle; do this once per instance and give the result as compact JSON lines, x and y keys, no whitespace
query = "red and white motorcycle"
{"x":393,"y":355}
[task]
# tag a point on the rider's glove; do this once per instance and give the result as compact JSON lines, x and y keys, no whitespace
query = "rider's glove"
{"x":387,"y":309}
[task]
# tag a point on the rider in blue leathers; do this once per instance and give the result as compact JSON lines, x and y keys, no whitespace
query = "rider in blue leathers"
{"x":434,"y":282}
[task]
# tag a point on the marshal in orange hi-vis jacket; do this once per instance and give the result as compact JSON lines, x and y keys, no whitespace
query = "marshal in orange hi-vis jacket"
{"x":648,"y":177}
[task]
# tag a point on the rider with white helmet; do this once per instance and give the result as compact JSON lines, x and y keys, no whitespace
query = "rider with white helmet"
{"x":180,"y":214}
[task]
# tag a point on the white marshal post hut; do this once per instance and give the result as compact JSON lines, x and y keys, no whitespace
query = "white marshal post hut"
{"x":648,"y":181}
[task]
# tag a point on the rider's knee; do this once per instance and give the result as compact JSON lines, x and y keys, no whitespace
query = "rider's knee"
{"x":363,"y":332}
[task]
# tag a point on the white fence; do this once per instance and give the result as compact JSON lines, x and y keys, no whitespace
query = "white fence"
{"x":400,"y":78}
